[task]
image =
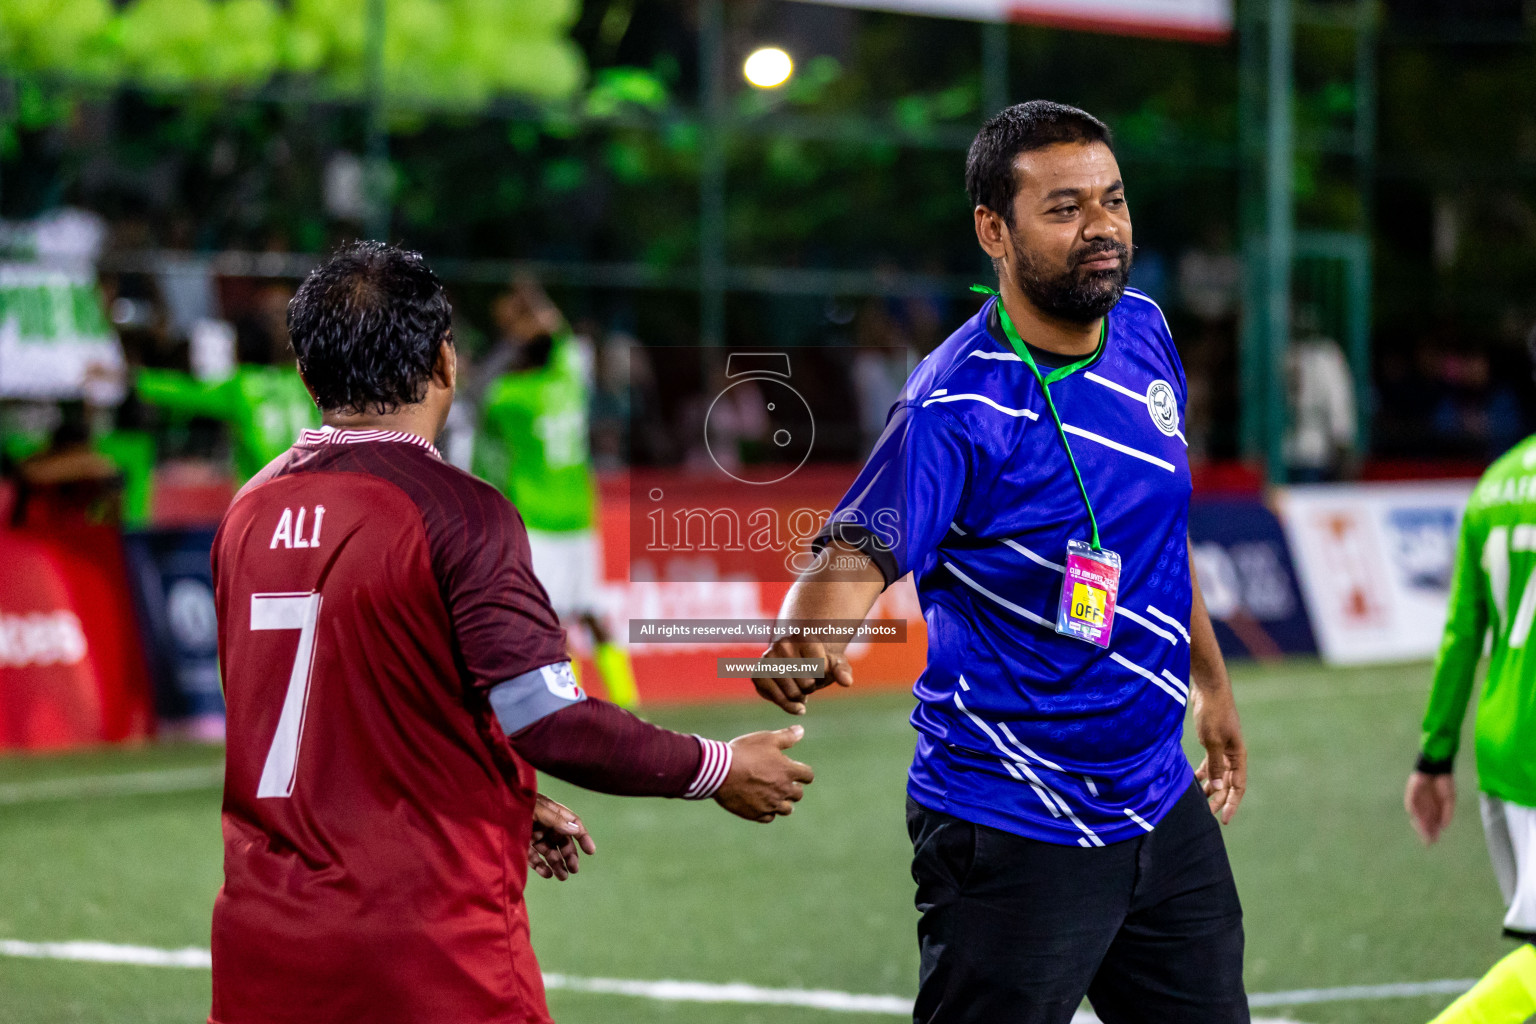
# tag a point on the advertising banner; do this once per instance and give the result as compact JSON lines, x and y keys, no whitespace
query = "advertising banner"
{"x":55,"y":341}
{"x":698,"y":582}
{"x":173,"y":588}
{"x":1198,"y":20}
{"x":1375,"y":563}
{"x":1248,"y":580}
{"x":71,"y":668}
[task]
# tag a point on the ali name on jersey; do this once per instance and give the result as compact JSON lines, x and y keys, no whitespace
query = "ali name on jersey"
{"x":290,"y":529}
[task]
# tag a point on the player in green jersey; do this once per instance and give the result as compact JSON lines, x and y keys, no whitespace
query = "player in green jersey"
{"x":1493,"y":590}
{"x":265,"y":407}
{"x":532,"y":445}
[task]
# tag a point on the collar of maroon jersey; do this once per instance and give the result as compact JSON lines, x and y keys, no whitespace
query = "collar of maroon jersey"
{"x":331,"y":435}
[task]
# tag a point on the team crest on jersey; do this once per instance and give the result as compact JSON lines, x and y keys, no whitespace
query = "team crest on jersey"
{"x":1163,"y":406}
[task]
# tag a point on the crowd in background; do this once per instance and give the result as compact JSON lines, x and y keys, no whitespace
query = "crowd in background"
{"x":184,"y":328}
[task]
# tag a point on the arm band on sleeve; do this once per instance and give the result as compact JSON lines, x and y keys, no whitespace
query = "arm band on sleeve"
{"x":599,"y":746}
{"x":1433,"y":766}
{"x":523,"y":700}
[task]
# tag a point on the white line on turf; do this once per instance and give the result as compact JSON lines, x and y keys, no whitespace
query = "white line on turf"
{"x":170,"y":780}
{"x":1350,"y":993}
{"x":108,"y":953}
{"x":708,"y":992}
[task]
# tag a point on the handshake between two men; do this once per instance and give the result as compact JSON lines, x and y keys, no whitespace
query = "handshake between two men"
{"x":763,"y":781}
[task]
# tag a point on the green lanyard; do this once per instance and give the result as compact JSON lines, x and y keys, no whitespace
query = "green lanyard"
{"x":1045,"y":381}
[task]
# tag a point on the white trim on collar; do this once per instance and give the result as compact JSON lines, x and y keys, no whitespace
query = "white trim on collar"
{"x":331,"y":435}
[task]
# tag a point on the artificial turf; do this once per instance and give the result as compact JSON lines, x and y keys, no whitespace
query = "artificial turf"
{"x":1336,"y":889}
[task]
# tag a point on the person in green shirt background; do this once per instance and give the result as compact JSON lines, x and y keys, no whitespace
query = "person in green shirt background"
{"x":244,"y":376}
{"x":532,"y":445}
{"x":264,"y":407}
{"x":1492,"y":591}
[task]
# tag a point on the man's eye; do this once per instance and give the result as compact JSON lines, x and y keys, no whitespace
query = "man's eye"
{"x":1116,"y":202}
{"x":1065,"y":210}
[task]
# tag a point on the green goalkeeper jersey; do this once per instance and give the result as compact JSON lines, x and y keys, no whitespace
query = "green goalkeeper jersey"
{"x":532,"y":443}
{"x":1493,"y":589}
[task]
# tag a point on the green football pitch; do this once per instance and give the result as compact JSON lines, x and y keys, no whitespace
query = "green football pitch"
{"x":1336,"y":889}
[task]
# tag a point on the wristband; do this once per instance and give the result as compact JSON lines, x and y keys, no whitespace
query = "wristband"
{"x":1434,"y":766}
{"x":714,"y":766}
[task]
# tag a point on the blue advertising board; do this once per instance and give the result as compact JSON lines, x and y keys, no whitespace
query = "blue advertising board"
{"x":1248,"y":579}
{"x":172,"y":585}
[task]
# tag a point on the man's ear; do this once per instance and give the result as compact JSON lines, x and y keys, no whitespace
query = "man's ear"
{"x":991,"y":233}
{"x":300,"y":370}
{"x":446,"y":370}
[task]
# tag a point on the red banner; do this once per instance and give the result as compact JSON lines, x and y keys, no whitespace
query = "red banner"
{"x":668,"y":673}
{"x":72,"y":671}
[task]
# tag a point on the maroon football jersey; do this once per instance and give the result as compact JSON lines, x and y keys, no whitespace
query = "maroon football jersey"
{"x":376,"y":821}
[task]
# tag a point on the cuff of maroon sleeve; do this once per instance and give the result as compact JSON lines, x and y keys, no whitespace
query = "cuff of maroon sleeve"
{"x":1434,"y":766}
{"x":714,"y":766}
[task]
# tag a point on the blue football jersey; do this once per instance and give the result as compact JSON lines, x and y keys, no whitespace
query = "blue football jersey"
{"x":970,"y":489}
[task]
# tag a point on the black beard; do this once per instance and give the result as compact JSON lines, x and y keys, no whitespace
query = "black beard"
{"x":1074,"y":295}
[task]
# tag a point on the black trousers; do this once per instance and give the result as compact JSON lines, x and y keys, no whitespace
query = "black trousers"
{"x":1017,"y":931}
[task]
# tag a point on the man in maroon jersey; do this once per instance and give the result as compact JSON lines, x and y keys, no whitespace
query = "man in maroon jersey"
{"x":394,"y":675}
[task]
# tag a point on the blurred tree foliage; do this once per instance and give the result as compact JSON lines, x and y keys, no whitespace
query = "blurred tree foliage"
{"x":226,"y":113}
{"x":456,"y":53}
{"x":857,"y":162}
{"x":498,"y":149}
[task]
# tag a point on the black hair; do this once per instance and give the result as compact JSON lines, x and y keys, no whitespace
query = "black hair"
{"x":989,"y":175}
{"x":367,"y":326}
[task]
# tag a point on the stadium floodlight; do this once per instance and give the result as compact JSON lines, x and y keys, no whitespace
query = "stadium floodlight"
{"x":768,"y":67}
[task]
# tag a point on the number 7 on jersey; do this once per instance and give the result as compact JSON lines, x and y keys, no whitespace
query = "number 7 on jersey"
{"x":288,"y":611}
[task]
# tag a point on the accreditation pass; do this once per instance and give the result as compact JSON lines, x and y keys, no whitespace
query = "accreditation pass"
{"x":1088,"y":593}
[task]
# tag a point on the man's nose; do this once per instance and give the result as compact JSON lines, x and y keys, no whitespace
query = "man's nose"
{"x":1100,"y":224}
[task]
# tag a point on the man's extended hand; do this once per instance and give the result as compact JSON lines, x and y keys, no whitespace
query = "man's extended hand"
{"x":789,"y":692}
{"x":764,"y":782}
{"x":1430,"y":801}
{"x":1223,"y":774}
{"x":559,"y":839}
{"x":841,"y":586}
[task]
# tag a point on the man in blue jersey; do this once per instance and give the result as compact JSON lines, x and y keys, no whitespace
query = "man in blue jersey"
{"x":1033,"y":478}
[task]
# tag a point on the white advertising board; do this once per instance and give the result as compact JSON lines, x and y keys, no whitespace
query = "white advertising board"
{"x":55,"y":341}
{"x":1374,"y":562}
{"x":1202,"y":20}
